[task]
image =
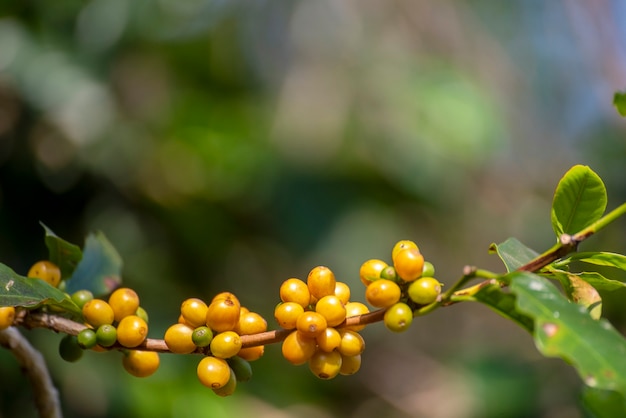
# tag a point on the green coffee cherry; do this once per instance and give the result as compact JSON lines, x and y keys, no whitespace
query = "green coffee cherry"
{"x":398,"y":317}
{"x":80,"y":297}
{"x":241,"y":368}
{"x":86,"y":338}
{"x":389,"y":273}
{"x":425,"y":290}
{"x":106,"y":335}
{"x":141,"y":313}
{"x":69,"y":350}
{"x":202,"y":336}
{"x":428,"y":270}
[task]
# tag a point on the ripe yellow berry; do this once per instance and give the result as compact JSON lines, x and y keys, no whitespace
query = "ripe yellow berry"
{"x":402,"y":245}
{"x":398,"y":317}
{"x":124,"y":302}
{"x":252,"y":353}
{"x":311,"y":324}
{"x":141,"y":363}
{"x":178,"y":338}
{"x":98,"y":312}
{"x":46,"y":271}
{"x":425,"y":290}
{"x":342,"y":291}
{"x":223,"y":312}
{"x":295,"y":290}
{"x":370,"y":270}
{"x":329,"y":340}
{"x":355,"y":309}
{"x":7,"y":316}
{"x":350,"y":364}
{"x":287,"y":314}
{"x":132,"y":331}
{"x":325,"y":365}
{"x":298,"y":349}
{"x":193,"y":311}
{"x":321,"y":282}
{"x":213,"y":372}
{"x":331,"y":308}
{"x":352,"y":343}
{"x":251,"y":323}
{"x":409,"y":264}
{"x":225,"y":344}
{"x":382,"y":293}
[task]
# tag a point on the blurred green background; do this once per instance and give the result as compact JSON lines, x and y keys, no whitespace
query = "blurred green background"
{"x":229,"y":145}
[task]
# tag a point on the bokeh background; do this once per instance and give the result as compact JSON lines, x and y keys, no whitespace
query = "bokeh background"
{"x":229,"y":145}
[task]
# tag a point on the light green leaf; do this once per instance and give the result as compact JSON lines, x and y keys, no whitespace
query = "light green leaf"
{"x":599,"y":258}
{"x":595,"y":279}
{"x":565,"y":329}
{"x":579,"y":200}
{"x":513,"y":253}
{"x":16,"y":290}
{"x":604,"y":403}
{"x":100,"y":269}
{"x":619,"y":101}
{"x":62,"y":253}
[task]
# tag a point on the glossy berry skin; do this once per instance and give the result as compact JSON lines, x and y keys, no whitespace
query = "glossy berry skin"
{"x":241,"y":368}
{"x":321,"y":282}
{"x":213,"y":372}
{"x":87,"y":338}
{"x":81,"y":297}
{"x":370,"y":270}
{"x":329,"y":340}
{"x":202,"y":336}
{"x":223,"y":313}
{"x":193,"y":311}
{"x":7,"y":316}
{"x":402,"y":245}
{"x":141,"y":363}
{"x":352,"y":343}
{"x":132,"y":331}
{"x":46,"y":271}
{"x":389,"y":273}
{"x":178,"y":339}
{"x":399,"y":317}
{"x":124,"y":302}
{"x":355,"y":309}
{"x":424,"y":291}
{"x":98,"y":312}
{"x":311,"y":324}
{"x":331,"y":308}
{"x":350,"y":364}
{"x":252,"y":353}
{"x":69,"y":350}
{"x":106,"y":335}
{"x":428,"y":270}
{"x":287,"y":314}
{"x":225,"y":344}
{"x":141,"y":313}
{"x":251,"y":323}
{"x":382,"y":293}
{"x":409,"y":264}
{"x":342,"y":291}
{"x":298,"y":349}
{"x":325,"y":365}
{"x":295,"y":290}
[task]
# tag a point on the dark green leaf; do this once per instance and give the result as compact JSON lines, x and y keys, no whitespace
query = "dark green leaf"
{"x":604,"y":403}
{"x":62,"y":253}
{"x":503,"y":303}
{"x":16,"y":290}
{"x":599,"y":258}
{"x":100,"y":269}
{"x":564,"y":329}
{"x":619,"y":101}
{"x":513,"y":253}
{"x":579,"y":200}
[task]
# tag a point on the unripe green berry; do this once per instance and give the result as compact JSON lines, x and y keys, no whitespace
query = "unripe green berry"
{"x":202,"y":336}
{"x":424,"y":291}
{"x":241,"y":368}
{"x":389,"y":273}
{"x":86,"y":338}
{"x":428,"y":270}
{"x":106,"y":335}
{"x":80,"y":297}
{"x":69,"y":350}
{"x":141,"y":313}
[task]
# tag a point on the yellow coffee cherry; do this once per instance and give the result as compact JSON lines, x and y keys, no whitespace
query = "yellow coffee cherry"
{"x":132,"y":331}
{"x":124,"y":302}
{"x":223,"y":312}
{"x":402,"y":245}
{"x":383,"y":293}
{"x":46,"y":271}
{"x":352,"y":343}
{"x":141,"y":363}
{"x":329,"y":340}
{"x":331,"y":308}
{"x":251,"y":323}
{"x":98,"y":312}
{"x":350,"y":364}
{"x":213,"y":372}
{"x":355,"y":309}
{"x":178,"y":339}
{"x":252,"y":353}
{"x":287,"y":314}
{"x":342,"y":291}
{"x":321,"y":282}
{"x":409,"y":264}
{"x":298,"y":349}
{"x":311,"y":324}
{"x":225,"y":344}
{"x":193,"y":312}
{"x":325,"y":365}
{"x":295,"y":290}
{"x":370,"y":270}
{"x":7,"y":316}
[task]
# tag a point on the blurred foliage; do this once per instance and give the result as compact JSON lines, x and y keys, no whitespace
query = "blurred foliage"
{"x":229,"y":145}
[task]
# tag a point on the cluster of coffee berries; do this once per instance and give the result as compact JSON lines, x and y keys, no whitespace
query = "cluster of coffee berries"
{"x":314,"y":310}
{"x":401,"y":287}
{"x":215,"y":330}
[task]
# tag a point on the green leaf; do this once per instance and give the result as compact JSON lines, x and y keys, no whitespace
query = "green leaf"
{"x":100,"y":269}
{"x":595,"y":279}
{"x":513,"y":253}
{"x":564,"y":329}
{"x":619,"y":101}
{"x":599,"y":258}
{"x":604,"y":403}
{"x":503,"y":303}
{"x":16,"y":290}
{"x":62,"y":253}
{"x":579,"y":200}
